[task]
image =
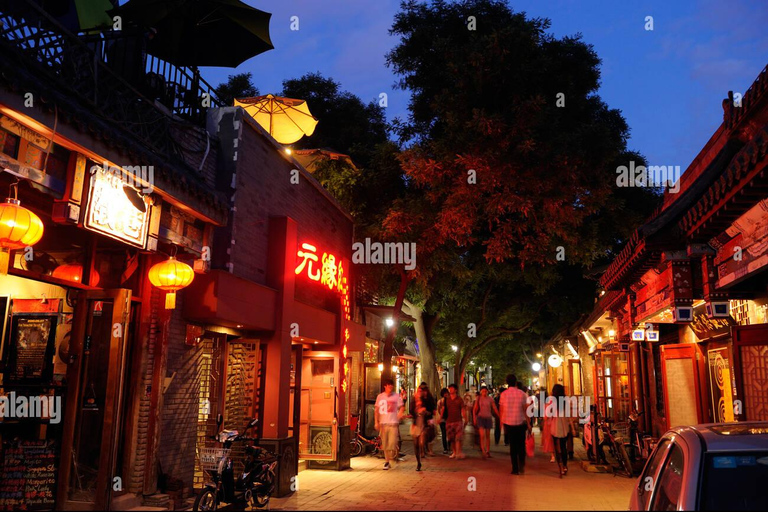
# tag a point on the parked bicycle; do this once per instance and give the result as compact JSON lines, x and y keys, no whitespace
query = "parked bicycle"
{"x":616,"y":447}
{"x":636,"y":445}
{"x":360,"y":444}
{"x":253,"y":488}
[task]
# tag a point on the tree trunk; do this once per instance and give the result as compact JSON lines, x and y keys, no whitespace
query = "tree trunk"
{"x":423,"y":328}
{"x":458,"y":372}
{"x":388,"y":349}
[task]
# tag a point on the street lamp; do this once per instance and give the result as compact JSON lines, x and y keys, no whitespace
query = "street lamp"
{"x":536,"y":367}
{"x":390,"y":322}
{"x":454,"y":348}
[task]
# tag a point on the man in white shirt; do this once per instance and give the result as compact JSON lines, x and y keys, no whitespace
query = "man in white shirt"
{"x":389,"y":409}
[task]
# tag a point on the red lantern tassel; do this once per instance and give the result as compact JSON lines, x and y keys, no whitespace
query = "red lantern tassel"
{"x":5,"y":260}
{"x":170,"y":300}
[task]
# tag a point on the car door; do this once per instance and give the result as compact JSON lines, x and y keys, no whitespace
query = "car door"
{"x":647,"y":481}
{"x":668,"y":491}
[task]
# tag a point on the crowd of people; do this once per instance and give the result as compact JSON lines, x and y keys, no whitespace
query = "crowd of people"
{"x":502,"y":410}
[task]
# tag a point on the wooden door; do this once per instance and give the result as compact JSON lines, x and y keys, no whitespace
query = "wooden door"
{"x":94,"y":400}
{"x":681,"y":367}
{"x":750,"y":355}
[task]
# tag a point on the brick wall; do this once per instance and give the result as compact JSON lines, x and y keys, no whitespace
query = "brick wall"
{"x":178,"y":434}
{"x":263,"y":188}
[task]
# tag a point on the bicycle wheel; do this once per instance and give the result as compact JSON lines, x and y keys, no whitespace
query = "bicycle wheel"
{"x":355,"y":448}
{"x":206,"y":500}
{"x":623,"y":459}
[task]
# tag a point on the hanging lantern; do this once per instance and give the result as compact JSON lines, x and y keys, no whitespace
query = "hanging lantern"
{"x":19,"y":228}
{"x":74,"y":272}
{"x":171,"y":275}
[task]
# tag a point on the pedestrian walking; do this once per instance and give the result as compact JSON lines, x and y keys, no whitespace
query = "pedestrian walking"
{"x":456,"y":420}
{"x":513,"y":408}
{"x":422,"y":406}
{"x":440,"y":419}
{"x":389,"y":409}
{"x":496,"y":419}
{"x":547,"y":444}
{"x":485,"y":409}
{"x":560,"y":427}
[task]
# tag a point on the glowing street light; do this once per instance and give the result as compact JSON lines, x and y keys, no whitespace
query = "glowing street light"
{"x":390,"y":322}
{"x":536,"y":367}
{"x":454,"y":348}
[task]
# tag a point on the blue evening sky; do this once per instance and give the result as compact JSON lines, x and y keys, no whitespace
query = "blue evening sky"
{"x":669,"y":82}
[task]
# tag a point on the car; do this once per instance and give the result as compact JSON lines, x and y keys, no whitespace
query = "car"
{"x":716,"y":466}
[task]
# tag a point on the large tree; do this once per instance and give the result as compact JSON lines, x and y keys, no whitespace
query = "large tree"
{"x":511,"y":163}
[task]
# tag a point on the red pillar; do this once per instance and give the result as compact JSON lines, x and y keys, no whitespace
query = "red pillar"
{"x":281,"y":276}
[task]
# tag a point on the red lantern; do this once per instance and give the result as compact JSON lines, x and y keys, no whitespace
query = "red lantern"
{"x":74,"y":272}
{"x":171,"y":275}
{"x":19,"y":228}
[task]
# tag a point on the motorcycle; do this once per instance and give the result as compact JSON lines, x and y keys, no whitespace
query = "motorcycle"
{"x":253,"y":487}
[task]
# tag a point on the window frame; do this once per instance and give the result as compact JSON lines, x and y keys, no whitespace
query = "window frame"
{"x":661,"y":471}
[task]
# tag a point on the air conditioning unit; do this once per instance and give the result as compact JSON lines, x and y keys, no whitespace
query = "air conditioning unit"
{"x":682,"y":314}
{"x":719,"y":309}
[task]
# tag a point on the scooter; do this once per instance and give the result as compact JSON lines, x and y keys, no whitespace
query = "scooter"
{"x":253,"y":487}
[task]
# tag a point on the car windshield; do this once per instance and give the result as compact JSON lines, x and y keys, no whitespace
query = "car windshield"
{"x":731,"y":481}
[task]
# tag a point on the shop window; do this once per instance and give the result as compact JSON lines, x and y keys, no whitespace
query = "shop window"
{"x":613,"y":389}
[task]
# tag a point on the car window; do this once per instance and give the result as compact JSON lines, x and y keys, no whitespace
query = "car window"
{"x":670,"y":481}
{"x":735,"y":481}
{"x":645,"y":483}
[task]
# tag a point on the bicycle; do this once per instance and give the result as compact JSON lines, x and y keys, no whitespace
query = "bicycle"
{"x":360,"y":443}
{"x":616,"y":447}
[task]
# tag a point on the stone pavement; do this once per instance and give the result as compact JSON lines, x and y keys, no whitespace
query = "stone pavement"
{"x":449,"y":484}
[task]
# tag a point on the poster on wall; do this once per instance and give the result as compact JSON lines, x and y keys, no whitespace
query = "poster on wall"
{"x":31,"y":343}
{"x":721,"y":384}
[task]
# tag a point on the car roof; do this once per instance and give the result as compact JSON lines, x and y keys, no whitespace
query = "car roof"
{"x":727,"y":437}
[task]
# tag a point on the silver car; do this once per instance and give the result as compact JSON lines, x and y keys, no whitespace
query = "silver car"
{"x":719,"y":466}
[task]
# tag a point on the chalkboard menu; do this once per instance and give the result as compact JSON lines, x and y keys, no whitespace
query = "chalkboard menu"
{"x":28,"y":476}
{"x":32,"y":342}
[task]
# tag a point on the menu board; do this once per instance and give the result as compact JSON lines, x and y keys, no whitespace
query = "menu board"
{"x":28,"y":476}
{"x":31,"y":343}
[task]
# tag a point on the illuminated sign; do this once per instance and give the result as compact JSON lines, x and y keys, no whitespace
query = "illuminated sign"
{"x":112,"y":212}
{"x":328,"y":270}
{"x":346,"y":363}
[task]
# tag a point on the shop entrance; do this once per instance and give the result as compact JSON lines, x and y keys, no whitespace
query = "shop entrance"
{"x":682,"y":370}
{"x":750,"y":353}
{"x":95,"y":396}
{"x":318,"y":422}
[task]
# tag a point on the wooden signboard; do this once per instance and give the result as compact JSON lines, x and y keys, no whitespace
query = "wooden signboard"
{"x":31,"y":344}
{"x":28,"y":476}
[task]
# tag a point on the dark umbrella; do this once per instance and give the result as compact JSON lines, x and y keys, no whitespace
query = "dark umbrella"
{"x":201,"y":32}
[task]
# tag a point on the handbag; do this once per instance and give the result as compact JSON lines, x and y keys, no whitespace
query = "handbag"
{"x":529,"y":445}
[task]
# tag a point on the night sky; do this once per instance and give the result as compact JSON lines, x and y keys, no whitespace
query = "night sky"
{"x":669,"y":82}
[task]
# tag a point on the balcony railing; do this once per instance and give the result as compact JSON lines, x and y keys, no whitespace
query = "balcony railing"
{"x":129,"y":89}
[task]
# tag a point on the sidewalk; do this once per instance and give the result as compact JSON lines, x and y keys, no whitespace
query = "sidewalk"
{"x":449,"y":484}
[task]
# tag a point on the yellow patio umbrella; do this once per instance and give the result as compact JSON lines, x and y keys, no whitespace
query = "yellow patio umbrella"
{"x":286,"y":119}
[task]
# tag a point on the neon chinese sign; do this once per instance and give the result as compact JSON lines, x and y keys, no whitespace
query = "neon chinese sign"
{"x":346,"y":363}
{"x":327,"y":270}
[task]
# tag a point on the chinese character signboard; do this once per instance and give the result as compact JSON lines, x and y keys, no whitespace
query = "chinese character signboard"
{"x":326,"y":269}
{"x":111,"y":211}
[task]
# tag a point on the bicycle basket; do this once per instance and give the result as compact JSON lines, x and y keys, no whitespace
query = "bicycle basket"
{"x":210,"y":457}
{"x":622,"y":430}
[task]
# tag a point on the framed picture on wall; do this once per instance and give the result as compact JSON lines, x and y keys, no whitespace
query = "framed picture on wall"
{"x":31,"y":343}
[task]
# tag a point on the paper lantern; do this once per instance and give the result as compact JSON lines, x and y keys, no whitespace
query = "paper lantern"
{"x":19,"y":228}
{"x":74,"y":272}
{"x":171,"y":275}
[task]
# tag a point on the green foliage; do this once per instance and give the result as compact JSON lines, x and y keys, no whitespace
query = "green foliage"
{"x":239,"y":85}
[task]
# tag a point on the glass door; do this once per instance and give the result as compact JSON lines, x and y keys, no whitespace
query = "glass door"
{"x":95,"y":399}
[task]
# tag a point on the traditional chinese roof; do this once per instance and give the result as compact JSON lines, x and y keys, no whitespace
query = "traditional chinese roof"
{"x":741,"y":186}
{"x":720,"y":171}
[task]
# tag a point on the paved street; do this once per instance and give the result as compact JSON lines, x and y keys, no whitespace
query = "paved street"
{"x":444,"y":484}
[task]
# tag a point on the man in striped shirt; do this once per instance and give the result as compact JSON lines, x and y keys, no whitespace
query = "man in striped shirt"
{"x":512,"y":409}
